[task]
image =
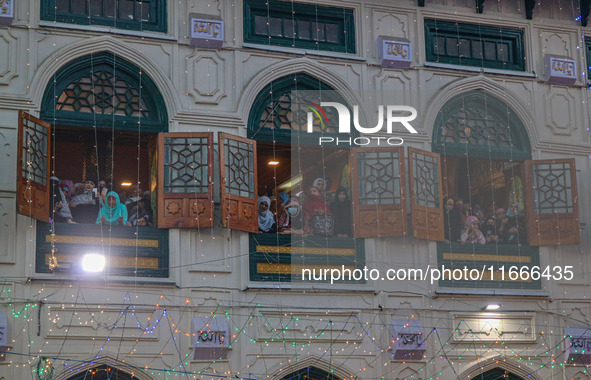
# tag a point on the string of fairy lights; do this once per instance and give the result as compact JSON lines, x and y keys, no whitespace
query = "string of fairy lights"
{"x":551,"y":344}
{"x":254,"y":324}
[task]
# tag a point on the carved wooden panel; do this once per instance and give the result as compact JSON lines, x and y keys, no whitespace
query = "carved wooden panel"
{"x":378,"y":192}
{"x":103,"y":93}
{"x":185,"y":170}
{"x":33,"y":167}
{"x":238,"y":185}
{"x":425,"y":194}
{"x":551,"y":207}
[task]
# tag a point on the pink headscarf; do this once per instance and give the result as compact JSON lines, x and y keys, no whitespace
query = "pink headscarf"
{"x":471,"y":219}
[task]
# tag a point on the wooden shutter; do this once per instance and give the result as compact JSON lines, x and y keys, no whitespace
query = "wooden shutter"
{"x":378,"y":192}
{"x":185,"y":185}
{"x":34,"y":152}
{"x":551,"y":202}
{"x":425,"y":194}
{"x":238,"y":185}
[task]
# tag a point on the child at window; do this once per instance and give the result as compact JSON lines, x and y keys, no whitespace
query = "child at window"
{"x":472,"y":234}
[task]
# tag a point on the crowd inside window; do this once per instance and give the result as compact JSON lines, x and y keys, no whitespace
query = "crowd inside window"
{"x":495,"y":225}
{"x":316,"y":211}
{"x":86,"y":203}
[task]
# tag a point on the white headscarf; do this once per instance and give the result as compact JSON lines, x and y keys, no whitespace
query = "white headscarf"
{"x":266,"y":219}
{"x":315,"y":183}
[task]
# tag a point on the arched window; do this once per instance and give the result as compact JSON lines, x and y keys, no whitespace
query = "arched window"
{"x":102,"y":372}
{"x":483,"y":152}
{"x":497,"y":374}
{"x":310,"y":373}
{"x":286,"y":121}
{"x":106,"y":91}
{"x":279,"y":110}
{"x":300,"y":147}
{"x":100,"y":120}
{"x":478,"y":124}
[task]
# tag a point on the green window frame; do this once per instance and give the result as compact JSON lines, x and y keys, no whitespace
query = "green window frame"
{"x":142,"y":15}
{"x":271,"y":119}
{"x":474,"y":45}
{"x":588,"y":57}
{"x":476,"y":122}
{"x":280,"y":258}
{"x":484,"y":256}
{"x":274,"y":257}
{"x":131,"y":254}
{"x":302,"y":26}
{"x":87,"y":88}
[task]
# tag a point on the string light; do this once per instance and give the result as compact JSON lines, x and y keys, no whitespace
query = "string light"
{"x":306,"y":343}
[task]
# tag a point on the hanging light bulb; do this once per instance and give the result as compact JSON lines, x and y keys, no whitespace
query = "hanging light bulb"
{"x":44,"y":369}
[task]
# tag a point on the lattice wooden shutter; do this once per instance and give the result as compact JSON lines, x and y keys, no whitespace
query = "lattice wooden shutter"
{"x":238,"y":185}
{"x":378,"y":192}
{"x":185,"y":186}
{"x":551,"y":202}
{"x":34,"y":146}
{"x":425,"y":194}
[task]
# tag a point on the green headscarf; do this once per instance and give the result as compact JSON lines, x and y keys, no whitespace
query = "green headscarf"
{"x":111,"y":214}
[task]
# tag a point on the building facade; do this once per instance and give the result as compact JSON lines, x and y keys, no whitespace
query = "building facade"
{"x":193,"y":99}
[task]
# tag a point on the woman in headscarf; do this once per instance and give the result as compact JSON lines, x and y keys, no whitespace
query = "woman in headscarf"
{"x":315,"y":204}
{"x":291,"y":212}
{"x":112,"y":212}
{"x":512,"y":226}
{"x":141,"y":214}
{"x":472,"y":233}
{"x":320,"y":184}
{"x":266,"y":217}
{"x":489,"y":230}
{"x":341,"y":209}
{"x":452,"y":220}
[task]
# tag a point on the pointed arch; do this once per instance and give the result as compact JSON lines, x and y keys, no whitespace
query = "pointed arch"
{"x":476,"y":122}
{"x":103,"y":89}
{"x":272,"y":116}
{"x":76,"y":367}
{"x":490,"y":87}
{"x":299,"y":66}
{"x":316,"y":366}
{"x":487,"y":369}
{"x":105,"y":43}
